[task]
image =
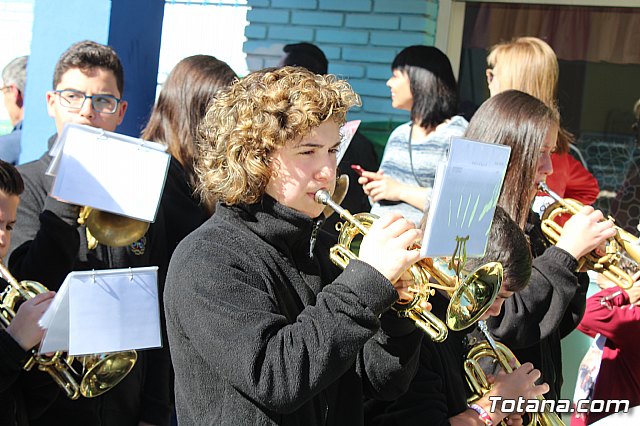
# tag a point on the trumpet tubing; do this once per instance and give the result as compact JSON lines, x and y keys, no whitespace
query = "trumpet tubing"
{"x":621,"y":251}
{"x":341,"y":254}
{"x":477,"y":379}
{"x":466,"y":305}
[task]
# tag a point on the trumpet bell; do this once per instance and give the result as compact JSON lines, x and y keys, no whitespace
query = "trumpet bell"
{"x":490,"y":276}
{"x":99,"y":373}
{"x":474,"y":296}
{"x":115,"y":230}
{"x":105,"y":371}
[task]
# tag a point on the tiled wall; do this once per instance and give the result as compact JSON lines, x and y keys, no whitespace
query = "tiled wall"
{"x":359,"y":37}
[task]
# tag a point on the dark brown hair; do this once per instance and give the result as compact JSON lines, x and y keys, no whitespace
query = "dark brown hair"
{"x":522,"y":122}
{"x":11,"y":182}
{"x":183,"y":103}
{"x":508,"y":245}
{"x":86,"y":55}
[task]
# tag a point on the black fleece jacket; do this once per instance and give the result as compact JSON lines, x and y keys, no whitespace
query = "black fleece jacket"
{"x":533,"y":321}
{"x":47,"y":244}
{"x":438,"y":391}
{"x":23,"y":394}
{"x":261,"y":333}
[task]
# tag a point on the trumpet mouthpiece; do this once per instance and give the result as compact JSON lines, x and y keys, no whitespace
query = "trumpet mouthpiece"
{"x":322,"y":196}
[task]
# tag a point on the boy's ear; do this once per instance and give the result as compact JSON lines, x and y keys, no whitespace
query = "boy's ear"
{"x":51,"y":100}
{"x":122,"y":108}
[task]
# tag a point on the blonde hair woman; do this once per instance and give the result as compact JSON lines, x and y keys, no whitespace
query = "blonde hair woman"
{"x":530,"y":65}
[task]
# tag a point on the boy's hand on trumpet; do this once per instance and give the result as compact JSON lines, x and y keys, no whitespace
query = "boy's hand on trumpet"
{"x":24,"y":327}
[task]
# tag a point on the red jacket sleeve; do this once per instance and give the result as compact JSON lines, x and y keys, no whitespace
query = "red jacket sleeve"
{"x":571,"y":180}
{"x":616,"y":319}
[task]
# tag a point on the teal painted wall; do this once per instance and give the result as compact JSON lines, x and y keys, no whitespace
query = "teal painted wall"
{"x":359,"y":37}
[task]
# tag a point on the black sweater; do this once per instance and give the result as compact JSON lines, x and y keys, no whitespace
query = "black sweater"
{"x":262,"y":334}
{"x":47,"y":244}
{"x":533,"y":321}
{"x":438,"y":390}
{"x":23,"y":395}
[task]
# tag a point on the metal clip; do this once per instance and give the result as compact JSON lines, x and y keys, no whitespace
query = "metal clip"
{"x":102,"y":135}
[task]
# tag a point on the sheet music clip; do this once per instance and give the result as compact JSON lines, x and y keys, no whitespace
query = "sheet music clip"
{"x":93,"y":275}
{"x":101,"y":135}
{"x":130,"y":274}
{"x":142,"y":144}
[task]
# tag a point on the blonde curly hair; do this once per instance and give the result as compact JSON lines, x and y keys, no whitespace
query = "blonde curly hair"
{"x":250,"y":120}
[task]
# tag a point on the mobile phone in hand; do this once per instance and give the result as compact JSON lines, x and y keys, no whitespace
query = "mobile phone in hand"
{"x":358,"y":169}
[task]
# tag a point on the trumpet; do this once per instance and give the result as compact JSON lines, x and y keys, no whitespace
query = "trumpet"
{"x":110,"y":229}
{"x":621,"y":250}
{"x":477,"y":379}
{"x":469,"y":299}
{"x":99,"y":372}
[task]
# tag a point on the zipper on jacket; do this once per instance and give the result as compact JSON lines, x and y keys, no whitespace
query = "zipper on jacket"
{"x":314,"y":234}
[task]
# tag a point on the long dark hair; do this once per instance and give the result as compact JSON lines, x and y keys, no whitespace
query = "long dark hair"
{"x":432,"y":84}
{"x":183,"y":103}
{"x":522,"y":122}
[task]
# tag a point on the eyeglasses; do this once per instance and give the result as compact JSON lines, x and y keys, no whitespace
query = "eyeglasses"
{"x":72,"y":99}
{"x":490,"y":75}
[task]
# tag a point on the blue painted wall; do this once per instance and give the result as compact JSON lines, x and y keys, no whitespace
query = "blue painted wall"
{"x":134,"y":32}
{"x":133,"y":29}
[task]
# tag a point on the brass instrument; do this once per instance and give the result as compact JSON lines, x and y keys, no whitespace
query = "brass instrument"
{"x":99,"y":373}
{"x":342,"y":186}
{"x":110,"y":229}
{"x":477,"y":379}
{"x":469,"y":299}
{"x":620,"y":250}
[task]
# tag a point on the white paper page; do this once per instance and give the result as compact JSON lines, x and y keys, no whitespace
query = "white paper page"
{"x":55,"y":321}
{"x":52,"y":170}
{"x":347,"y":131}
{"x":118,"y":311}
{"x":435,"y":198}
{"x":110,"y":172}
{"x":465,"y":201}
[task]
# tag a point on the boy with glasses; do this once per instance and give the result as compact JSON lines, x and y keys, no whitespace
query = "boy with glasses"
{"x":49,"y":243}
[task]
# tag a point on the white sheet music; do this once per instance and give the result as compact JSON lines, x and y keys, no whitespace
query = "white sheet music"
{"x":347,"y":132}
{"x":104,"y":311}
{"x":465,"y":194}
{"x":109,"y":172}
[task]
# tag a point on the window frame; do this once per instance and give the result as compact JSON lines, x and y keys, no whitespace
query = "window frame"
{"x":451,"y":14}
